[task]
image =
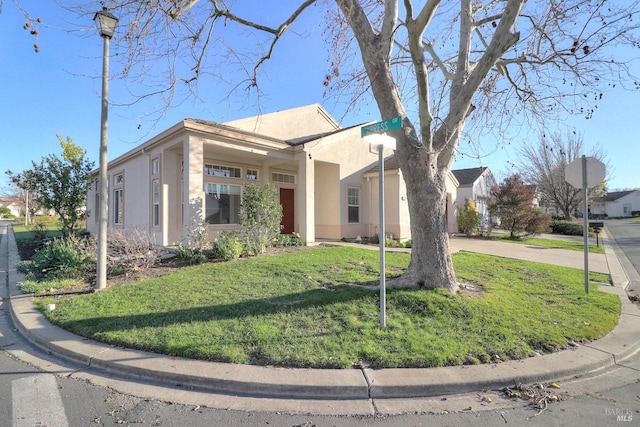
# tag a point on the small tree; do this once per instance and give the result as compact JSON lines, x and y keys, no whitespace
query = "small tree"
{"x":511,"y":202}
{"x":469,"y":218}
{"x":60,"y":184}
{"x":539,"y":222}
{"x":543,"y":164}
{"x":261,"y":213}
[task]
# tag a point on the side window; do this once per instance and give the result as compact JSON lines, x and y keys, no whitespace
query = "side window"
{"x":353,"y":205}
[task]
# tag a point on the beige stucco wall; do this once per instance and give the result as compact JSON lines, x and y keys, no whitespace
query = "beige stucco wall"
{"x":341,"y":161}
{"x":397,"y":218}
{"x":289,"y":124}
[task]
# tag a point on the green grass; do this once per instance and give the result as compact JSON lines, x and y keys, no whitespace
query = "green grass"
{"x":302,"y":310}
{"x":23,"y":232}
{"x":551,"y":243}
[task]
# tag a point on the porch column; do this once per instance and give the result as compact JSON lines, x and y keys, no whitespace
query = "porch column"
{"x":306,"y":198}
{"x":194,"y":191}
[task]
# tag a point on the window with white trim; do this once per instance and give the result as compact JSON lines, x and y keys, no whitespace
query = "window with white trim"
{"x":96,"y":215}
{"x":155,"y":213}
{"x":224,"y":171}
{"x":222,"y":203}
{"x":353,"y":205}
{"x":118,"y":207}
{"x":283,"y":178}
{"x":252,"y":174}
{"x":155,"y":166}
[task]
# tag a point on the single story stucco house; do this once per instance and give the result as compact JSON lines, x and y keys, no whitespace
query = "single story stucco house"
{"x":616,"y":203}
{"x":196,"y":170}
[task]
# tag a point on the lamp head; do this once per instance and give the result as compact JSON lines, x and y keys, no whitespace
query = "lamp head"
{"x":106,"y":23}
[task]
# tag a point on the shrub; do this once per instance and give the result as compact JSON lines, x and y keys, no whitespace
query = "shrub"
{"x":193,"y":249}
{"x":405,"y":244}
{"x":538,"y":223}
{"x":282,"y":240}
{"x":227,"y":248}
{"x":469,"y":218}
{"x":130,"y":251}
{"x":634,"y":213}
{"x":261,"y":214}
{"x":58,"y":259}
{"x":569,"y":228}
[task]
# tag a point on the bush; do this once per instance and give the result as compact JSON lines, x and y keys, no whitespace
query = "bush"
{"x":406,"y":244}
{"x":538,"y":223}
{"x":130,"y":251}
{"x":261,"y":214}
{"x":635,"y":213}
{"x":58,"y":259}
{"x":569,"y":228}
{"x":194,"y":249}
{"x":469,"y":219}
{"x":282,"y":240}
{"x":227,"y":248}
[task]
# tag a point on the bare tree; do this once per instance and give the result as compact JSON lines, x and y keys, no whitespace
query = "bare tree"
{"x":543,"y":165}
{"x":443,"y":66}
{"x":31,"y":24}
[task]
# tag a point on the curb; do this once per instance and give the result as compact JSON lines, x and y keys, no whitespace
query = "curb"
{"x":288,"y":383}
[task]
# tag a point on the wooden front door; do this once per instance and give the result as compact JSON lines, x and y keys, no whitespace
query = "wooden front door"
{"x":286,"y":200}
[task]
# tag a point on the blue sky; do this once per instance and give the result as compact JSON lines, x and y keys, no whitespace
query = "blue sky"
{"x":57,"y":91}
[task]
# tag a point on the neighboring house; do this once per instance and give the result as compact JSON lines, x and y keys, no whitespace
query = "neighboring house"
{"x":475,"y":184}
{"x":13,"y":203}
{"x":616,"y":204}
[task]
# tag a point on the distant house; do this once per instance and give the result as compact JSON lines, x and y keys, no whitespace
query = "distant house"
{"x":475,"y":184}
{"x":616,"y":204}
{"x":13,"y":203}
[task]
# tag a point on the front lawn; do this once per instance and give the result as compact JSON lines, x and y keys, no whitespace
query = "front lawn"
{"x":319,"y":308}
{"x":552,"y":243}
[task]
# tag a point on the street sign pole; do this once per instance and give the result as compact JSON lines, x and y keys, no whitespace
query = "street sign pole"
{"x":382,"y":240}
{"x":376,"y":134}
{"x":585,"y":229}
{"x":585,"y":173}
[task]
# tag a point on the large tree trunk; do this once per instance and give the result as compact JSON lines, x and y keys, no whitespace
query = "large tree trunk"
{"x":431,"y":266}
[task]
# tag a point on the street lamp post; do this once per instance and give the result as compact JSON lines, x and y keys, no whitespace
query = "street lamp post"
{"x":106,"y":23}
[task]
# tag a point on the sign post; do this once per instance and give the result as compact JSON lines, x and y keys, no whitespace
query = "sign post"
{"x":375,"y":134}
{"x":585,"y":172}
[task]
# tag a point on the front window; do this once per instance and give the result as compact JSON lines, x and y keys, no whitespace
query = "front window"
{"x":626,"y":210}
{"x":283,"y":177}
{"x":353,"y":204}
{"x":222,"y":204}
{"x":118,"y":207}
{"x":252,"y":174}
{"x":96,"y":217}
{"x":156,"y":203}
{"x":225,"y":171}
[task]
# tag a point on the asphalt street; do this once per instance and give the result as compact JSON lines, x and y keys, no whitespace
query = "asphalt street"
{"x":37,"y":388}
{"x":627,"y":235}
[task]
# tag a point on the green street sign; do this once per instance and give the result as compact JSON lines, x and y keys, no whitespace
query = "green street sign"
{"x":393,"y":123}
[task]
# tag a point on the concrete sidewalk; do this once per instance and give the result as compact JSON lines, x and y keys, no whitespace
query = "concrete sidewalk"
{"x":354,"y":385}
